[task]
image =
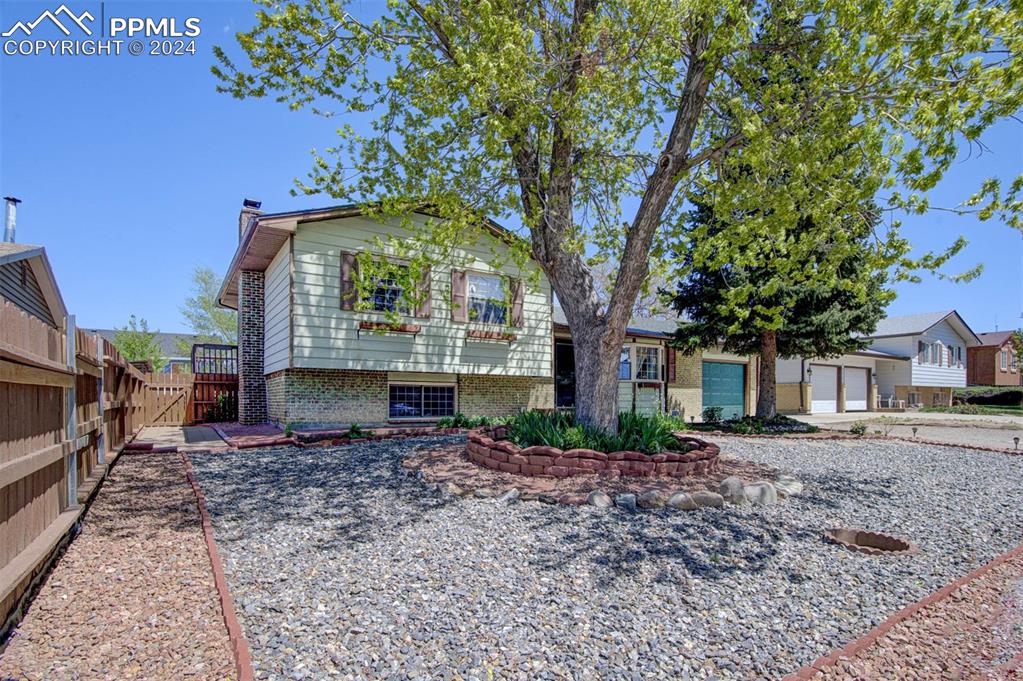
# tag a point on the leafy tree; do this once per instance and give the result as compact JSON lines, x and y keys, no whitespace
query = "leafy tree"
{"x":212,"y":323}
{"x":588,"y":121}
{"x":137,"y":343}
{"x":782,"y":317}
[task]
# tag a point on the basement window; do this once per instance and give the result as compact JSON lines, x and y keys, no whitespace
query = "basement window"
{"x":407,"y":401}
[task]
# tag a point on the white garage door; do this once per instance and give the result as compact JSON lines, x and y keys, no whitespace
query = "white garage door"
{"x":856,"y":388}
{"x":824,"y":384}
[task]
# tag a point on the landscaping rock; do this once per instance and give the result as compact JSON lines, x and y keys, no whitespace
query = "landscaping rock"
{"x":651,"y":499}
{"x":787,"y":486}
{"x":682,"y":501}
{"x":742,"y":594}
{"x":731,"y":489}
{"x":510,"y":496}
{"x":485,"y":493}
{"x":452,"y":488}
{"x":761,"y":493}
{"x":599,"y":499}
{"x":626,"y":501}
{"x":706,"y":499}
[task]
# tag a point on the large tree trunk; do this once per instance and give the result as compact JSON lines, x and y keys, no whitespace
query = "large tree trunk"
{"x":596,"y":376}
{"x":767,"y":397}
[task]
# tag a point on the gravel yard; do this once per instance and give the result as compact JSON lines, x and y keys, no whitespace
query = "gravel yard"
{"x":342,"y":565}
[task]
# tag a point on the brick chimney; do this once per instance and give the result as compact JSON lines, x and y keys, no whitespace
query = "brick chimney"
{"x":252,"y":407}
{"x":250,"y":209}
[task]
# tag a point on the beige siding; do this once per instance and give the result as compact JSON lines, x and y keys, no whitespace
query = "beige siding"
{"x":277,"y":303}
{"x":325,"y":336}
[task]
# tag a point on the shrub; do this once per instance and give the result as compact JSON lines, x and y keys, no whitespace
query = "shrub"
{"x":287,"y":430}
{"x":636,"y":432}
{"x":712,"y":414}
{"x":858,"y":428}
{"x":460,"y":420}
{"x":956,"y":409}
{"x":356,"y":431}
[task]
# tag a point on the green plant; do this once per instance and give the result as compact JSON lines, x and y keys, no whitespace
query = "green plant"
{"x":636,"y":432}
{"x":287,"y":430}
{"x":224,"y":409}
{"x":746,"y":426}
{"x":886,"y":425}
{"x":355,"y":431}
{"x":858,"y":428}
{"x":712,"y":414}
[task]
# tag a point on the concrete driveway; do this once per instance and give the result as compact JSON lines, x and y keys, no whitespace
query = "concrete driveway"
{"x":980,"y":430}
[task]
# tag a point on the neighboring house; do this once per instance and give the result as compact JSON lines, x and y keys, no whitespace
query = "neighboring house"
{"x":653,"y":377}
{"x":27,"y":281}
{"x":994,"y":361}
{"x":914,"y":360}
{"x":307,"y":354}
{"x":170,"y":347}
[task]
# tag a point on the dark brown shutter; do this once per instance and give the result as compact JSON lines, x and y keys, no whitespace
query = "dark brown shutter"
{"x":670,"y":352}
{"x":459,"y":299}
{"x":423,"y":309}
{"x":349,"y":271}
{"x":518,"y":293}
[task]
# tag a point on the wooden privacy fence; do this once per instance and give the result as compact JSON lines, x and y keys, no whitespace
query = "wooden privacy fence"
{"x":68,"y":404}
{"x":169,"y":399}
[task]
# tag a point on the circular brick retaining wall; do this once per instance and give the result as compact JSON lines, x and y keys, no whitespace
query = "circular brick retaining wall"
{"x":489,"y":447}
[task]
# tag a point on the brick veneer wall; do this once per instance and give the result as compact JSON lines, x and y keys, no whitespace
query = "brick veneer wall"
{"x":328,"y":396}
{"x":276,"y":404}
{"x":503,"y":395}
{"x":685,"y":394}
{"x":251,"y":382}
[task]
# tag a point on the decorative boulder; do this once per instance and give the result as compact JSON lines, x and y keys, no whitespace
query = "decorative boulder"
{"x":788,"y":486}
{"x":731,"y":490}
{"x":651,"y":499}
{"x":683,"y":501}
{"x":626,"y":501}
{"x":705,"y":499}
{"x":510,"y":496}
{"x":761,"y":493}
{"x":599,"y":499}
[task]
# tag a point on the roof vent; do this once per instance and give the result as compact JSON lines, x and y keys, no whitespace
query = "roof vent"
{"x":12,"y":218}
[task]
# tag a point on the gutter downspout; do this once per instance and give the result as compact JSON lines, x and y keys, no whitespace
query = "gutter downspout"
{"x":802,"y":379}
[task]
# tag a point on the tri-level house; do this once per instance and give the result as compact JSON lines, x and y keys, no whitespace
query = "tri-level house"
{"x":994,"y":361}
{"x":309,"y":354}
{"x":910,"y":361}
{"x":478,"y":339}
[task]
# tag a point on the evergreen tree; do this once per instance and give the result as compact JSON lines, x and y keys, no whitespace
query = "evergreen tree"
{"x":818,"y":317}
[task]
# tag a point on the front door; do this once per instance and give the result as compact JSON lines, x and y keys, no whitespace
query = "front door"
{"x":564,"y":374}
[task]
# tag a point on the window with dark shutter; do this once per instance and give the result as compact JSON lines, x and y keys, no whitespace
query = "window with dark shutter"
{"x":423,"y":308}
{"x":459,"y":307}
{"x":518,"y":294}
{"x":349,"y":272}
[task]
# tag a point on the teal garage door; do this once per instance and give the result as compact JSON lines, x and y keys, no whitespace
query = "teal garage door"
{"x":723,"y":386}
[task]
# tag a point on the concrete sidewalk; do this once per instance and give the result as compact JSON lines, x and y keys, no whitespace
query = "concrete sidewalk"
{"x":914,"y":417}
{"x":185,"y":438}
{"x":955,"y":429}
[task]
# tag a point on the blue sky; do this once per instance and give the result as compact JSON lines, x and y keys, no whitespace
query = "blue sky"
{"x":132,"y":170}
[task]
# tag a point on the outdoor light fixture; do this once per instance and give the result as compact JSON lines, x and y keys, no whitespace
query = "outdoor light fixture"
{"x":809,"y":372}
{"x":1015,"y":441}
{"x":914,"y":431}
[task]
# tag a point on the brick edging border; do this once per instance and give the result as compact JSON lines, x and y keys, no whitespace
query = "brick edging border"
{"x":826,"y":434}
{"x":862,"y":643}
{"x":239,"y":646}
